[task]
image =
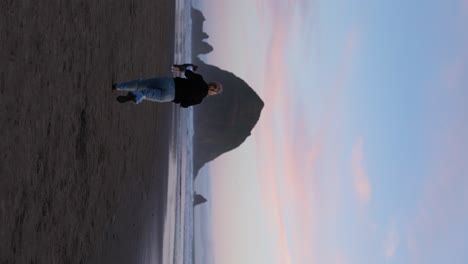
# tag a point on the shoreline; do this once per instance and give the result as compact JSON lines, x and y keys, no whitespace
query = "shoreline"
{"x":182,"y":142}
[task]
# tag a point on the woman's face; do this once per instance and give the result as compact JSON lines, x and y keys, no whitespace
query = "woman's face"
{"x":212,"y":90}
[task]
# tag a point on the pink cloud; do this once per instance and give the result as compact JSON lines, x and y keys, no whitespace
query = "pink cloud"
{"x":361,"y":180}
{"x":288,"y":152}
{"x":340,"y":259}
{"x":392,"y":241}
{"x":442,"y":212}
{"x":454,"y":73}
{"x":464,"y":5}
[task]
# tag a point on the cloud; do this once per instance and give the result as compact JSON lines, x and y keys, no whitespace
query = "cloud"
{"x":340,"y":259}
{"x":289,"y":152}
{"x":442,"y":212}
{"x":464,"y":4}
{"x":361,"y":180}
{"x":454,"y":73}
{"x":439,"y":222}
{"x":392,"y":241}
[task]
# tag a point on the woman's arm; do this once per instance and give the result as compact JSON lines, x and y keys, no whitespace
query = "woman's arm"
{"x":184,"y":67}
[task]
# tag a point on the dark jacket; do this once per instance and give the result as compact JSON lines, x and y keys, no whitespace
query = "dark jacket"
{"x":191,"y":90}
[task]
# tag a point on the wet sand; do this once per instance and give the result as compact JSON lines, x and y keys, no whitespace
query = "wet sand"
{"x":82,"y":177}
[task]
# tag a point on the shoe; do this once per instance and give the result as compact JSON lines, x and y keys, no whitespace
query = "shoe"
{"x":122,"y":99}
{"x":126,"y":98}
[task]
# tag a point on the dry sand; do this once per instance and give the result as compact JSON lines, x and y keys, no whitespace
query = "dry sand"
{"x":80,"y":174}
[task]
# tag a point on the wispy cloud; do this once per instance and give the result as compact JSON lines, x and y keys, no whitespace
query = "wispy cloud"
{"x":464,"y":5}
{"x":340,"y":259}
{"x":442,"y":211}
{"x":392,"y":242}
{"x":288,"y":152}
{"x":455,"y":73}
{"x":361,"y":179}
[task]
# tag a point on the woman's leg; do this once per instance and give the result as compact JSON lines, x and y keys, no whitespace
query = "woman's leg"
{"x":155,"y":89}
{"x":127,"y":86}
{"x":158,"y":89}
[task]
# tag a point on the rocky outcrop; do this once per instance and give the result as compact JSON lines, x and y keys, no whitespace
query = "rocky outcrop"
{"x":198,"y":199}
{"x":224,"y":121}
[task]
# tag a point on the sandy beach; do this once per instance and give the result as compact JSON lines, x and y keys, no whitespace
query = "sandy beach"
{"x":83,"y":178}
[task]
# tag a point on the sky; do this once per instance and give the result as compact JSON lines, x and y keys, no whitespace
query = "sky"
{"x":360,"y":154}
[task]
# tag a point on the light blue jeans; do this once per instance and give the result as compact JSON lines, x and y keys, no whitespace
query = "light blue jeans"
{"x":154,"y":89}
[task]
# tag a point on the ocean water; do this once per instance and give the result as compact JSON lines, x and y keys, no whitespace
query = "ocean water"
{"x":178,"y":226}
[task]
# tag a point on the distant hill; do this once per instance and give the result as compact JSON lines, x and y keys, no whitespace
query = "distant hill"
{"x":224,"y":121}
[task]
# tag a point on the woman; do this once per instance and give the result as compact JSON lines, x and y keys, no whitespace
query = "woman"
{"x":184,"y":91}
